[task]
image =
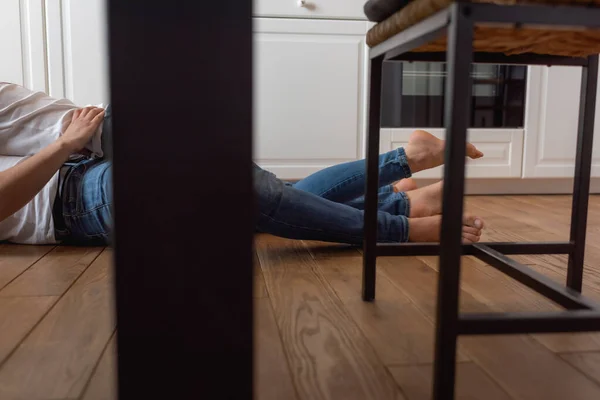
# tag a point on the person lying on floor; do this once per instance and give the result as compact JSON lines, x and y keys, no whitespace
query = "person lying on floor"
{"x":55,"y":183}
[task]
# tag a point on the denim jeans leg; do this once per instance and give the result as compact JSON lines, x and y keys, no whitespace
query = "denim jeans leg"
{"x":346,"y":181}
{"x":288,"y":212}
{"x":87,"y":202}
{"x":388,"y":201}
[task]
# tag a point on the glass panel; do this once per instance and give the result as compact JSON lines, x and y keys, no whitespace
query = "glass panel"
{"x":413,"y":95}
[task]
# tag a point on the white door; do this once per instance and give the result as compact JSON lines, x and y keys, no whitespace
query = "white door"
{"x":551,"y":134}
{"x":308,"y":94}
{"x":77,"y":50}
{"x":22,"y":43}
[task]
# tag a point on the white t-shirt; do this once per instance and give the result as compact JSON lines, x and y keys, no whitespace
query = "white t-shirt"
{"x":30,"y":121}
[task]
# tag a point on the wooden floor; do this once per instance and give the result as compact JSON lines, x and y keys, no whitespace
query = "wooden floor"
{"x":315,"y":337}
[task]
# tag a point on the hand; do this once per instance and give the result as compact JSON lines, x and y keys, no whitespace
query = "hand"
{"x":84,"y":124}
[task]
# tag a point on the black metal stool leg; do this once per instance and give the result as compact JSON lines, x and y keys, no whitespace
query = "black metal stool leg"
{"x":583,"y":165}
{"x":457,"y":112}
{"x":372,"y":185}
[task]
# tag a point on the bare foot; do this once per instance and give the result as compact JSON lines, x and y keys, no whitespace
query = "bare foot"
{"x":404,"y":185}
{"x":427,"y":229}
{"x":425,"y":151}
{"x":426,"y":201}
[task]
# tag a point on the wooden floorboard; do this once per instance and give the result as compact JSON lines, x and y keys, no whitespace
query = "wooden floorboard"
{"x":103,"y":383}
{"x":56,"y":359}
{"x":551,"y":223}
{"x":587,"y":363}
{"x":329,"y":356}
{"x":471,"y":383}
{"x":17,"y":317}
{"x":521,"y":366}
{"x":503,"y":294}
{"x":315,"y":337}
{"x":272,"y":375}
{"x":553,"y":266}
{"x":53,"y":274}
{"x":16,"y":259}
{"x":527,"y":370}
{"x":384,"y":321}
{"x":260,"y":290}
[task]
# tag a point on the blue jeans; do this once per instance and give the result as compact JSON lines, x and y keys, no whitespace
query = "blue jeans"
{"x":87,"y":203}
{"x":328,"y":205}
{"x":84,"y":215}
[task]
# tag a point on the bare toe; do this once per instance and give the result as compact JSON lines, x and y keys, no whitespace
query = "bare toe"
{"x":471,"y":230}
{"x":473,"y":221}
{"x":473,"y":152}
{"x":470,"y":238}
{"x":405,"y":185}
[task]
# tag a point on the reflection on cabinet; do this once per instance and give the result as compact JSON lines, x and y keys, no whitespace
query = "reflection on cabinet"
{"x":551,"y":133}
{"x":308,"y":88}
{"x":413,"y":95}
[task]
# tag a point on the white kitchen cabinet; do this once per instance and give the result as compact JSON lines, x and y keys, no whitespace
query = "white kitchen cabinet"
{"x":502,"y":149}
{"x":499,"y":98}
{"x":22,"y":43}
{"x":309,"y":79}
{"x":310,"y":70}
{"x":77,"y":50}
{"x":551,"y":131}
{"x":330,"y":9}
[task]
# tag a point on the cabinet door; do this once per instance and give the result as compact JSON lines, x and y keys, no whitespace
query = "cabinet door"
{"x":414,"y":97}
{"x":22,"y":43}
{"x":308,"y":94}
{"x":333,"y":9}
{"x":551,"y":129}
{"x":77,"y":50}
{"x":502,"y":149}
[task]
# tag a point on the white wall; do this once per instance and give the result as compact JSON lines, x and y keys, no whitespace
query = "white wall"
{"x":56,"y":46}
{"x":22,"y":55}
{"x":77,"y":50}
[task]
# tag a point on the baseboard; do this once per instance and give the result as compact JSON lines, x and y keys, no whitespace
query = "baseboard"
{"x":519,"y":186}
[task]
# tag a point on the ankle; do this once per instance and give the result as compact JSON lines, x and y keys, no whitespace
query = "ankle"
{"x":414,"y":159}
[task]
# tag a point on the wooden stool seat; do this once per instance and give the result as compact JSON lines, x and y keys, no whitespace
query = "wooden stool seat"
{"x":507,"y":39}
